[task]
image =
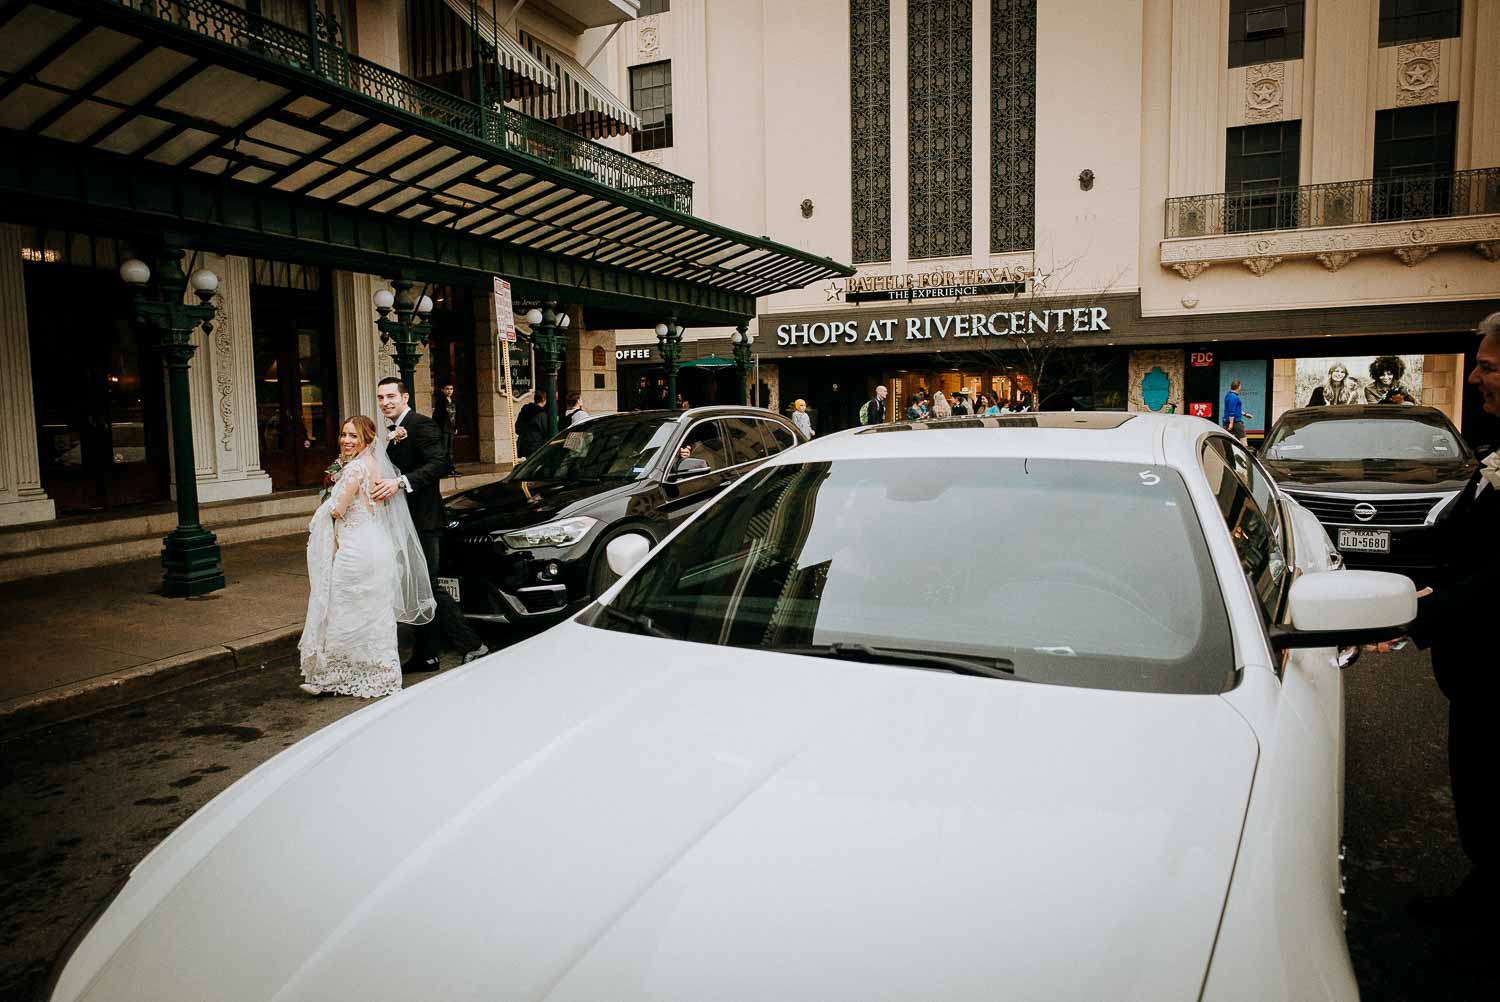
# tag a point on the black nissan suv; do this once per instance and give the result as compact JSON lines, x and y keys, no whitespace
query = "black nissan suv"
{"x":1385,"y":480}
{"x":530,"y":548}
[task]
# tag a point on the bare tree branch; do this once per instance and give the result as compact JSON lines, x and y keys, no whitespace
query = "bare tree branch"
{"x":1043,"y":351}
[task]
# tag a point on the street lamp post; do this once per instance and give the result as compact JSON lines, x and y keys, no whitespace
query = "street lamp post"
{"x":744,"y":345}
{"x":190,"y":554}
{"x":403,"y":325}
{"x":547,"y":327}
{"x":669,"y":342}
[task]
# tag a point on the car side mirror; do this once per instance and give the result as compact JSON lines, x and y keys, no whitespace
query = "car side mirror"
{"x":1345,"y":609}
{"x":689,"y":468}
{"x":625,"y":553}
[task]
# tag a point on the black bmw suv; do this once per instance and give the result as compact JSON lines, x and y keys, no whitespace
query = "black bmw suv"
{"x":530,"y":548}
{"x":1385,"y":480}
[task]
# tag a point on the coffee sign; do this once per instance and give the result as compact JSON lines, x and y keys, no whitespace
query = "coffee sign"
{"x":953,"y":326}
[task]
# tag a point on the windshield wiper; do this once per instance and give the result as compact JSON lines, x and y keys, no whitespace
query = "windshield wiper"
{"x":640,"y":621}
{"x":961,"y":664}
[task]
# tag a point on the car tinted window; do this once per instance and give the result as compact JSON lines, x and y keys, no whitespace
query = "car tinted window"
{"x":705,"y":441}
{"x":744,"y":439}
{"x":781,"y":435}
{"x":1117,"y":590}
{"x":1250,"y":511}
{"x":1363,"y":439}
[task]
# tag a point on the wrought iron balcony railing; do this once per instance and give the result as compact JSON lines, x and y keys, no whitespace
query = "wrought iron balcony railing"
{"x":322,"y":52}
{"x":1342,"y":203}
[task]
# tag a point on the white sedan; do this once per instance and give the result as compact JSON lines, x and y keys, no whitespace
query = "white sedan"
{"x":1021,"y":708}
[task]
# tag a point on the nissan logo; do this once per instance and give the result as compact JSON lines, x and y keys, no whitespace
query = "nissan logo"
{"x":1364,"y":511}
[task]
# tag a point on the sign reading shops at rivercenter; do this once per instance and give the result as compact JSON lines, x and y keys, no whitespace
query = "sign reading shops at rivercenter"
{"x":952,"y":326}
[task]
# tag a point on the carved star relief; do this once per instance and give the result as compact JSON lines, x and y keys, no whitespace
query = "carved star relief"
{"x":1418,"y":72}
{"x":1265,"y":93}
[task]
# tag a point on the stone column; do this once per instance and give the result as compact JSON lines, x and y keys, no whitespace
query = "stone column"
{"x":226,"y":445}
{"x":1199,"y":40}
{"x":21,"y":496}
{"x":581,"y":367}
{"x":496,"y":440}
{"x":357,"y":343}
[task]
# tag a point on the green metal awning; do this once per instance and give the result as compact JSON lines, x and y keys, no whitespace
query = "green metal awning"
{"x":579,"y":102}
{"x":195,"y":116}
{"x":707,"y":362}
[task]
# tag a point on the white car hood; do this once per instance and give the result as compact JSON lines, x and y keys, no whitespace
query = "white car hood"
{"x":594,"y":815}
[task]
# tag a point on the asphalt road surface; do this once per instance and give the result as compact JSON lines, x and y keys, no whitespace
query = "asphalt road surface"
{"x":82,"y":802}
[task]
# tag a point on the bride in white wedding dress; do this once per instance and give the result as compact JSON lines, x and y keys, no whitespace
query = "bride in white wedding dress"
{"x":366,"y":573}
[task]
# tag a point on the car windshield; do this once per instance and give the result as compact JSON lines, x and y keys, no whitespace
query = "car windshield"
{"x":1075,"y":573}
{"x":605,"y":448}
{"x":1364,"y":438}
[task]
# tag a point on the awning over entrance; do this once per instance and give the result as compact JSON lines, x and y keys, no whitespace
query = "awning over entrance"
{"x":204,"y":119}
{"x":510,"y":53}
{"x":580,"y":103}
{"x":707,"y":362}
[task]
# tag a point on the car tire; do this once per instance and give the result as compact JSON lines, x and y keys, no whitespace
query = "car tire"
{"x":601,"y":575}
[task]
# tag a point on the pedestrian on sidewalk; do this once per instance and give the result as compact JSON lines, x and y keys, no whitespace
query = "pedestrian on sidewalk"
{"x":416,"y":453}
{"x":365,"y":571}
{"x":1234,"y":412}
{"x":1454,"y":620}
{"x":445,"y":413}
{"x":800,"y":418}
{"x":531,"y":425}
{"x":873,"y":412}
{"x":575,"y":414}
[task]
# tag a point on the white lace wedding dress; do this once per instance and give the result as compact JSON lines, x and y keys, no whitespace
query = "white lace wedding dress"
{"x":349,"y":642}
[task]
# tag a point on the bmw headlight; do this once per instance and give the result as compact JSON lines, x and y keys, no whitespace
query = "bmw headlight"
{"x":561,"y":533}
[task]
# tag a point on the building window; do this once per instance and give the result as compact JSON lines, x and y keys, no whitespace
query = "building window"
{"x":1264,"y":32}
{"x":870,"y":129}
{"x":655,"y":7}
{"x":1260,"y":177}
{"x":1418,"y":20}
{"x":940,"y":81}
{"x":1012,"y":125}
{"x":651,"y":98}
{"x":1414,"y":162}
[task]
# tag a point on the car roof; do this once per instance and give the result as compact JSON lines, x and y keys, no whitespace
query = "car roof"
{"x":1100,"y":436}
{"x":713,"y":410}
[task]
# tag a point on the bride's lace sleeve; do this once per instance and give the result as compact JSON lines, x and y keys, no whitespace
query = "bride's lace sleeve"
{"x":350,"y":482}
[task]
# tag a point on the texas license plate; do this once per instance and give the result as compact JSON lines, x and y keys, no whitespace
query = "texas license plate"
{"x":450,"y":585}
{"x":1365,"y":540}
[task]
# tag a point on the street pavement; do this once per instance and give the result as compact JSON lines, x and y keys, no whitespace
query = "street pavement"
{"x":81,"y":802}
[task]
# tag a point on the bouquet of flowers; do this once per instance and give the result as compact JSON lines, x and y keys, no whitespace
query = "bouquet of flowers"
{"x":330,"y":477}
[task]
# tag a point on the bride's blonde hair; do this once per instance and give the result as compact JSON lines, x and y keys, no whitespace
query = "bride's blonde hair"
{"x":363,"y":427}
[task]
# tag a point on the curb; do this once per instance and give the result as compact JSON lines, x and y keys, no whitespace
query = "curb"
{"x":76,"y":699}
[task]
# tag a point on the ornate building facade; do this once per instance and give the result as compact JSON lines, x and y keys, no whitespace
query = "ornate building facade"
{"x":1246,"y":189}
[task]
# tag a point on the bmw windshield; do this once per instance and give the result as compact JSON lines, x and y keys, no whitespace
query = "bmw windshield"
{"x":620,"y":447}
{"x":1073,"y":573}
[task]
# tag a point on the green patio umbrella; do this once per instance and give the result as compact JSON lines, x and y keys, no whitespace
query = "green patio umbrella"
{"x":707,"y":362}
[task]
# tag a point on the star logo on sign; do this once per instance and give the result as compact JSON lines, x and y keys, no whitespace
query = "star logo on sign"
{"x":833,"y":292}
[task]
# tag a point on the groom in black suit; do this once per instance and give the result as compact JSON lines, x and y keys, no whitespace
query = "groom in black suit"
{"x":416,"y":448}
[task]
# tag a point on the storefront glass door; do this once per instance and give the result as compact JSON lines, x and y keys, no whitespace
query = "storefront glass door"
{"x":296,"y":389}
{"x":99,"y":393}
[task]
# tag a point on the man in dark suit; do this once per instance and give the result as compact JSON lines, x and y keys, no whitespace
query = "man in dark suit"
{"x":1456,"y":621}
{"x":416,"y":448}
{"x":531,"y":425}
{"x":445,"y":413}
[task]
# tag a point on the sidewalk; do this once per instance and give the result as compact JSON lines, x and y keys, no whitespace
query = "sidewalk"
{"x":78,"y":641}
{"x":74,"y":642}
